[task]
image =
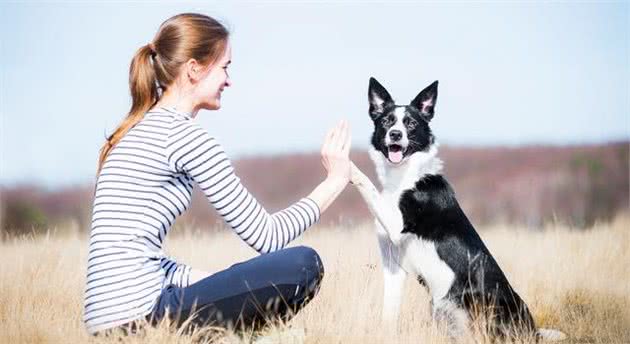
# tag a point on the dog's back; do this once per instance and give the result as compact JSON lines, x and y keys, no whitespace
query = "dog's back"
{"x":431,"y":212}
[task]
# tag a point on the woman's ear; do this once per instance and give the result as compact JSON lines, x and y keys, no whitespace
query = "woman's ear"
{"x":193,"y":70}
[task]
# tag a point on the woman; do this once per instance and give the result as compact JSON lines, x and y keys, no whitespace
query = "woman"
{"x":146,"y":172}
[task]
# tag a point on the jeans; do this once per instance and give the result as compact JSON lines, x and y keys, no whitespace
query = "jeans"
{"x":247,"y":294}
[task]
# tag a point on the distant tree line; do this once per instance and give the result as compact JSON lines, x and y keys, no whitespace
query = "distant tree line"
{"x":577,"y":185}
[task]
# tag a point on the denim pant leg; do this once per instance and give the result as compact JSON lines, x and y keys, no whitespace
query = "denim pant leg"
{"x":276,"y":284}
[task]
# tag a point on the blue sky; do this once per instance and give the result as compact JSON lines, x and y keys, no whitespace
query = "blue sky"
{"x":510,"y":74}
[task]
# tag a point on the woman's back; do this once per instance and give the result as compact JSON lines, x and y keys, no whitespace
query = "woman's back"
{"x":137,"y":199}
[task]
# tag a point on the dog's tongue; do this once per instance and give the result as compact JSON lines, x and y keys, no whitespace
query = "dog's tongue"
{"x":396,"y":157}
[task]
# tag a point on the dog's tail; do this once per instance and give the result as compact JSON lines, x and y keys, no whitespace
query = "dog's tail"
{"x":549,"y":335}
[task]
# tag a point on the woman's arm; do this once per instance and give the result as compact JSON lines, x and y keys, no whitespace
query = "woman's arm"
{"x":193,"y":152}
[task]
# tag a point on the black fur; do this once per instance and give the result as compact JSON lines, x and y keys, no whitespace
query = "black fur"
{"x":431,"y":211}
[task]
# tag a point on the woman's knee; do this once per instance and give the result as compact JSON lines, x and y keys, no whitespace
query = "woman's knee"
{"x":308,"y":260}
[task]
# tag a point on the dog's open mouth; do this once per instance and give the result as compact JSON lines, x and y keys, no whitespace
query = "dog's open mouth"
{"x":395,"y":153}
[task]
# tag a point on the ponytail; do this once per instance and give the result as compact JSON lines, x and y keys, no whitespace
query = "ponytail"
{"x":144,"y":94}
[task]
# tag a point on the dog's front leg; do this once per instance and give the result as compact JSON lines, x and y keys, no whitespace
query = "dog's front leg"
{"x":393,"y":279}
{"x":386,"y":214}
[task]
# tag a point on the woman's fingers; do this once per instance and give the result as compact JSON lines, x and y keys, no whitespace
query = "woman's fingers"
{"x":340,"y":136}
{"x":337,"y":142}
{"x":334,"y":137}
{"x":331,"y":138}
{"x":327,"y":141}
{"x":328,"y":147}
{"x":347,"y":144}
{"x":335,"y":151}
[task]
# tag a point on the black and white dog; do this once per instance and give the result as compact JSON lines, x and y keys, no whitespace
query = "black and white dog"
{"x":422,"y":231}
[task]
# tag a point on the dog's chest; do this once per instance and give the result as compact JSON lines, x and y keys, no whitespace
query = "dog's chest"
{"x":418,"y":256}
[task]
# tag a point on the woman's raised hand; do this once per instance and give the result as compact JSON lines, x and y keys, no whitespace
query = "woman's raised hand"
{"x":336,"y":152}
{"x":336,"y":161}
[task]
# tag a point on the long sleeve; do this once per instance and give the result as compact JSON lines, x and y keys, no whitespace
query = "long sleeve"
{"x":192,"y":151}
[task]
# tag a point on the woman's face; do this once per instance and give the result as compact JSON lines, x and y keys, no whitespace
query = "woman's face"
{"x":215,"y":80}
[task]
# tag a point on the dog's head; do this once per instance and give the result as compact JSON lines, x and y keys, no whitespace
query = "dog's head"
{"x":401,"y":130}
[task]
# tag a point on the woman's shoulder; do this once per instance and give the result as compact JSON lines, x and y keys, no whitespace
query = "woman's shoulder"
{"x":191,"y":136}
{"x":189,"y":131}
{"x":191,"y":142}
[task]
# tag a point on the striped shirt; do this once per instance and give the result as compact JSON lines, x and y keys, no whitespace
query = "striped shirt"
{"x":145,"y":183}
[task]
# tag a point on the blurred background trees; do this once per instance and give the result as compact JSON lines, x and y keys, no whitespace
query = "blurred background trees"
{"x":532,"y":185}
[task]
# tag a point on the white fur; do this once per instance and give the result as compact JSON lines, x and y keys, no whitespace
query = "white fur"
{"x":550,"y":335}
{"x":420,"y":258}
{"x":400,"y":126}
{"x":397,"y":178}
{"x":393,"y":277}
{"x":456,"y":319}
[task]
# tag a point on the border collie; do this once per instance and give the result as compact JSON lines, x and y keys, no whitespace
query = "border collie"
{"x":422,"y":231}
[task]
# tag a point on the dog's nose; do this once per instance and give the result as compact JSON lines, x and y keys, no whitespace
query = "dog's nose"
{"x":395,"y":135}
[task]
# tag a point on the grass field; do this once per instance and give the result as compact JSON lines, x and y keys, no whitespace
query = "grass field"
{"x":574,"y":281}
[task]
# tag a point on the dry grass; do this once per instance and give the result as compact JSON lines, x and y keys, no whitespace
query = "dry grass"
{"x":575,"y":281}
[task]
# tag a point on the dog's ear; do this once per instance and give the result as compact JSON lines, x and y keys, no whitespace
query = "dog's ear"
{"x":378,"y":98}
{"x":425,"y":100}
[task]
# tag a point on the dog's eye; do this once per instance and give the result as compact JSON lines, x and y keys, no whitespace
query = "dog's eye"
{"x":412,"y":124}
{"x":386,"y":120}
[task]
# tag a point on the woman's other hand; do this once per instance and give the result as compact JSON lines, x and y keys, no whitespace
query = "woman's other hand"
{"x":336,"y":152}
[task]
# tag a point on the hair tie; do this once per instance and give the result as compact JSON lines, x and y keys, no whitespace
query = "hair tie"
{"x":152,"y":49}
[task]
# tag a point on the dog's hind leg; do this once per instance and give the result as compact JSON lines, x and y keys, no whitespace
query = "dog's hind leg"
{"x":393,"y":279}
